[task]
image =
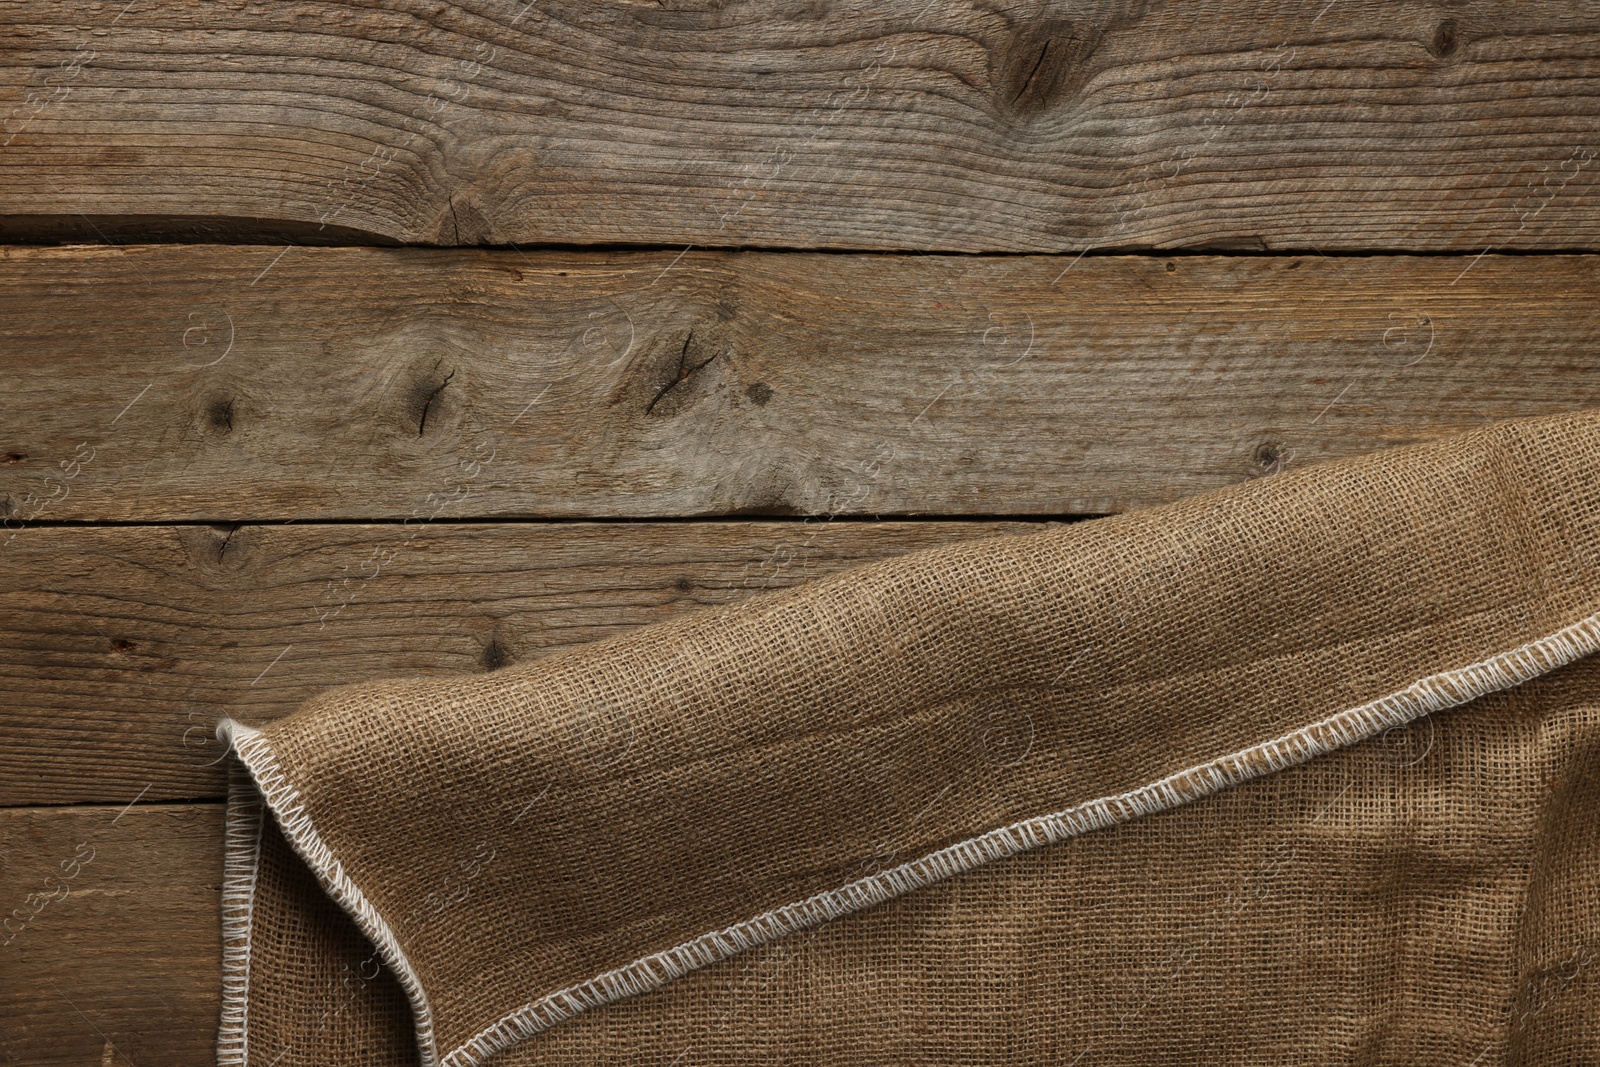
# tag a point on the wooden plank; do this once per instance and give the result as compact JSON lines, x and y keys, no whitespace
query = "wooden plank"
{"x":121,"y":647}
{"x":110,"y":952}
{"x":209,"y":383}
{"x":918,"y":124}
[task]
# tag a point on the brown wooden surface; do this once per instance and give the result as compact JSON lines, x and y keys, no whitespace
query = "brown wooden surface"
{"x":121,"y":647}
{"x":918,"y":124}
{"x":178,"y":383}
{"x":110,"y":948}
{"x":391,"y":398}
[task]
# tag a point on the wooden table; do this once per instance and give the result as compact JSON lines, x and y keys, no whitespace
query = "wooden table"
{"x":344,"y":341}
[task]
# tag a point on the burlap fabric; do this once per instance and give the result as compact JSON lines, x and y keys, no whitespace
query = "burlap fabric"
{"x":1303,"y":770}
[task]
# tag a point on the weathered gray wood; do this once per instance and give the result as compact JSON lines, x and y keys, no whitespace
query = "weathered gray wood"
{"x":110,"y":951}
{"x":121,"y":647}
{"x":915,"y":124}
{"x":183,"y":383}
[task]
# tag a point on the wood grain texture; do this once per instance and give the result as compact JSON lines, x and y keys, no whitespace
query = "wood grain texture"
{"x":916,"y":124}
{"x":121,"y":647}
{"x":110,"y":952}
{"x":164,"y":383}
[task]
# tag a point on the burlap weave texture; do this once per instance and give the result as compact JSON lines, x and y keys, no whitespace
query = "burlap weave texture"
{"x":1303,"y":770}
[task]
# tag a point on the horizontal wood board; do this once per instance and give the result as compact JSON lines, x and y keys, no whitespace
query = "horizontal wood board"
{"x":110,"y":939}
{"x":914,"y":124}
{"x":184,"y":383}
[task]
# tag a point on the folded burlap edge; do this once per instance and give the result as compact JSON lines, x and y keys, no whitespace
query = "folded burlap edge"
{"x":258,"y":786}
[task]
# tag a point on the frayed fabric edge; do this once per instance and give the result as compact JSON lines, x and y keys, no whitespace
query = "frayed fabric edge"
{"x":277,"y":795}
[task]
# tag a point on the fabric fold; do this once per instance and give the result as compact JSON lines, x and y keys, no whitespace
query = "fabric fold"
{"x":526,"y":847}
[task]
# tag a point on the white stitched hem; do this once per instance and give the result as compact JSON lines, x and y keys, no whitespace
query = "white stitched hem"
{"x":241,"y":860}
{"x":283,"y":800}
{"x":1433,"y":693}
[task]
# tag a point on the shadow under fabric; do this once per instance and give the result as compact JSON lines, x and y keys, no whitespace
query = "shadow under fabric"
{"x":1302,"y":770}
